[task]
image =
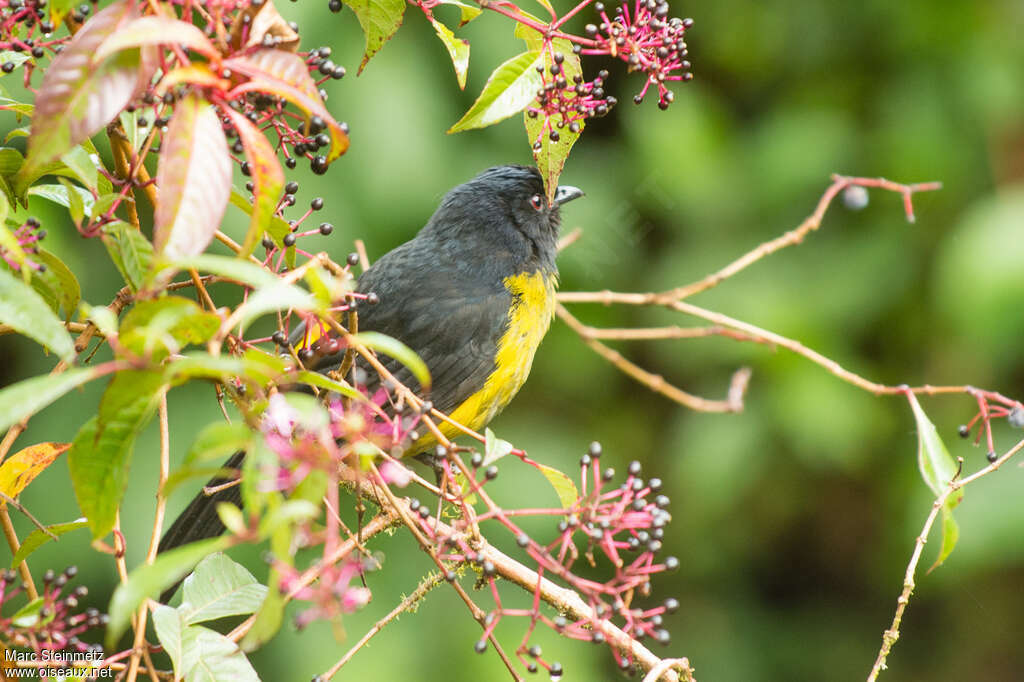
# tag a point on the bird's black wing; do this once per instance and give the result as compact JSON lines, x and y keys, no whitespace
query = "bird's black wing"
{"x":453,"y":321}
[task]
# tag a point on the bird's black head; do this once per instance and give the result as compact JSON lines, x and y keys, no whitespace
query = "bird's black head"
{"x":505,"y":213}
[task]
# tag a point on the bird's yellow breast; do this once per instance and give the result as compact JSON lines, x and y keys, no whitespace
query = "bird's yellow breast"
{"x":529,"y":316}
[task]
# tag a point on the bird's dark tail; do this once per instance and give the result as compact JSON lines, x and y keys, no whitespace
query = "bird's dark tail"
{"x":200,"y":521}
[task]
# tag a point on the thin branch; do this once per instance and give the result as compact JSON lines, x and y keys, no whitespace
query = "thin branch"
{"x":430,"y":582}
{"x":656,"y":382}
{"x":12,"y":541}
{"x":20,"y":507}
{"x":890,"y":636}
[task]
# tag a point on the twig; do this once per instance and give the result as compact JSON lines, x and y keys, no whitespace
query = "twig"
{"x":364,"y":261}
{"x":890,"y":636}
{"x":655,"y":673}
{"x":656,"y":382}
{"x":14,"y":544}
{"x":430,"y":582}
{"x":20,"y":507}
{"x":570,"y":239}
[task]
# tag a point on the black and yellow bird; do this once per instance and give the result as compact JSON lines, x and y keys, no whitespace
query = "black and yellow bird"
{"x":473,"y":294}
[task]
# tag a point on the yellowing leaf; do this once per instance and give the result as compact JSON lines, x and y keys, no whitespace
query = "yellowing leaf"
{"x":458,"y":50}
{"x":18,"y":470}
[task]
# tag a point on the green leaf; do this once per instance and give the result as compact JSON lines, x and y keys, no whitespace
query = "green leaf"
{"x":71,"y":197}
{"x":165,"y":325}
{"x":563,"y":485}
{"x":16,"y":58}
{"x":209,"y":656}
{"x":267,"y":177}
{"x":79,"y":94}
{"x":79,"y":162}
{"x":511,"y":87}
{"x":10,"y":161}
{"x":103,"y":204}
{"x":322,"y":381}
{"x":399,"y":351}
{"x":218,"y":440}
{"x":469,"y":12}
{"x":219,"y":587}
{"x":232,"y":518}
{"x":64,"y":283}
{"x":101,"y":316}
{"x":101,"y":453}
{"x":28,"y":314}
{"x":551,"y":156}
{"x":494,"y":448}
{"x":278,"y":296}
{"x":292,"y":511}
{"x":248,"y":273}
{"x":27,"y":397}
{"x":194,"y":176}
{"x":268,"y":618}
{"x":76,"y":204}
{"x":380,"y":20}
{"x":168,"y":626}
{"x":132,"y":132}
{"x":277,"y":227}
{"x":938,"y":469}
{"x":131,"y":252}
{"x":149,"y":580}
{"x":458,"y":50}
{"x":38,"y":538}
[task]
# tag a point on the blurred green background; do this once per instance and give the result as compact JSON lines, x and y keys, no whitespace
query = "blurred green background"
{"x":794,"y":520}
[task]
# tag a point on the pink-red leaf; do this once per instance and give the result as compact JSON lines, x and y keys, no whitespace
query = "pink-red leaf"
{"x":156,"y":31}
{"x":267,"y":177}
{"x":285,"y":75}
{"x":194,"y":177}
{"x":80,"y":93}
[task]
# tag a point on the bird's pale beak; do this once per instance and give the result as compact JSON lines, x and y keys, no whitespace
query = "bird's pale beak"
{"x":566,"y":193}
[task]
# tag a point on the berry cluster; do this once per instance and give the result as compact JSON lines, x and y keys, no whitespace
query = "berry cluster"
{"x":27,"y":235}
{"x":624,"y":523}
{"x":26,"y":30}
{"x":570,"y":103}
{"x":51,"y":622}
{"x":991,"y":406}
{"x":645,"y":38}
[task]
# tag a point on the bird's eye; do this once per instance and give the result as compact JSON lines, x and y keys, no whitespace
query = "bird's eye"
{"x":537,"y":201}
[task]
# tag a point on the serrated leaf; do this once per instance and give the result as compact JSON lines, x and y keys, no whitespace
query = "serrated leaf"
{"x":131,"y":252}
{"x":21,"y":468}
{"x":65,"y":285}
{"x":380,"y":20}
{"x":10,"y":161}
{"x":219,"y":587}
{"x":38,"y":538}
{"x":511,"y":87}
{"x":394,"y":348}
{"x":149,"y":580}
{"x":101,"y":454}
{"x":938,"y":469}
{"x":154,"y":30}
{"x":563,"y":485}
{"x":27,"y":397}
{"x":277,"y":296}
{"x":104,"y":202}
{"x":28,"y":314}
{"x":194,"y":177}
{"x":80,"y":94}
{"x":458,"y":50}
{"x":285,"y":75}
{"x":267,"y":178}
{"x":494,"y":448}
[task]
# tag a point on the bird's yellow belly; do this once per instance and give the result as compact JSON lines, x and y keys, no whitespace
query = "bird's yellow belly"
{"x":529,"y":316}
